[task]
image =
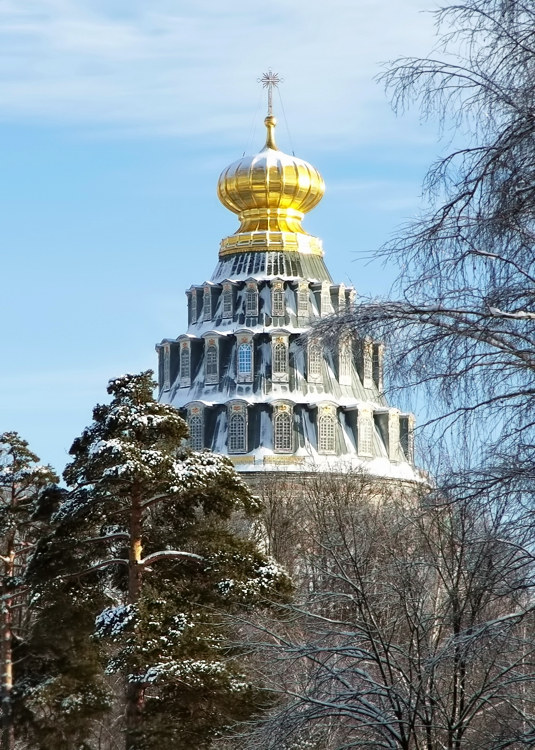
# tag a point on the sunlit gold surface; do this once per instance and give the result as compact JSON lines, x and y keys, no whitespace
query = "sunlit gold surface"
{"x":284,"y":242}
{"x":270,"y":191}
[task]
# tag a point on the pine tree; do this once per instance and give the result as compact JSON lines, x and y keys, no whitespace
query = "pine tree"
{"x":61,"y":691}
{"x":150,"y":525}
{"x":23,"y":517}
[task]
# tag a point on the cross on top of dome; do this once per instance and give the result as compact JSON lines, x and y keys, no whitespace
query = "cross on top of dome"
{"x":270,"y":81}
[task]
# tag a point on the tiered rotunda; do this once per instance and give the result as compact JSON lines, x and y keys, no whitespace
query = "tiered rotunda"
{"x":247,"y":381}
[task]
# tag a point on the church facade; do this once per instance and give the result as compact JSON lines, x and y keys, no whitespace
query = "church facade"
{"x":247,"y":376}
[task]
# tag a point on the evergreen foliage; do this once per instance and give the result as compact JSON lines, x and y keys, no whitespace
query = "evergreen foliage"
{"x":24,"y":514}
{"x":146,"y":561}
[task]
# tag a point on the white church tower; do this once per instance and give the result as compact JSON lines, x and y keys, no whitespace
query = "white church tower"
{"x":249,"y":385}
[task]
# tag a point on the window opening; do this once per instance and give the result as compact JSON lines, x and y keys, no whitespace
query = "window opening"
{"x":302,"y":300}
{"x":366,"y":435}
{"x":282,"y":432}
{"x":345,"y":362}
{"x":314,"y":361}
{"x":211,"y":364}
{"x":196,"y":437}
{"x":251,"y":301}
{"x":236,"y":433}
{"x":227,"y":302}
{"x":280,"y":359}
{"x":367,"y":365}
{"x":245,"y":359}
{"x":193,"y":299}
{"x":166,"y":366}
{"x":327,"y":431}
{"x":277,"y":301}
{"x":185,"y":364}
{"x":207,"y":309}
{"x":326,"y":306}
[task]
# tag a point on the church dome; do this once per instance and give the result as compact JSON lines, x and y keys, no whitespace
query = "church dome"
{"x":271,"y":190}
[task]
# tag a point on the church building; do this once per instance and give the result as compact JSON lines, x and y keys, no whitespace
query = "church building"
{"x":249,"y":381}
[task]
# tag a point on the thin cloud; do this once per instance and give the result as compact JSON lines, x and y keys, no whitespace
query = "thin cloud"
{"x":186,"y":69}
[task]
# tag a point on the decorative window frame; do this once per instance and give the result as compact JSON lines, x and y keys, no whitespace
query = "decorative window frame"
{"x":366,"y":429}
{"x":207,"y":303}
{"x":278,"y":307}
{"x":237,"y":425}
{"x":341,"y":301}
{"x":211,"y":359}
{"x":185,"y":363}
{"x":282,"y":422}
{"x":407,"y":423}
{"x":193,"y":306}
{"x":166,"y":354}
{"x":314,"y":362}
{"x":196,"y":423}
{"x":367,"y":363}
{"x":377,"y":365}
{"x":244,"y":342}
{"x":326,"y":307}
{"x":345,"y":361}
{"x":303,"y":301}
{"x":251,"y":299}
{"x":227,"y":300}
{"x":280,"y":359}
{"x":393,"y":434}
{"x":326,"y":429}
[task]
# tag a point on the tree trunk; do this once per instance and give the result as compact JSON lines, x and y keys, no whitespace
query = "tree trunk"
{"x":8,"y":730}
{"x":134,"y":692}
{"x":135,"y":696}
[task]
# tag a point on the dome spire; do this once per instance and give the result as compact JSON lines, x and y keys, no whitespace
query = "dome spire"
{"x":270,"y":81}
{"x":271,"y":192}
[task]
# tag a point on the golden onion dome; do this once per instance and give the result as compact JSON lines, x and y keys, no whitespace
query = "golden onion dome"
{"x":270,"y":191}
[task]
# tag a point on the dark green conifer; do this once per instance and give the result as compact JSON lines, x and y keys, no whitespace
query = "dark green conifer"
{"x":145,"y":537}
{"x":23,"y":517}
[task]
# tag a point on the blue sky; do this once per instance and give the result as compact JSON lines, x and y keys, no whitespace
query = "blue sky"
{"x":116,"y":118}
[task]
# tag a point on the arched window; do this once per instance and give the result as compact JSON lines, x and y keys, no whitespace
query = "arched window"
{"x":314,"y":361}
{"x":227,"y":301}
{"x":207,"y":307}
{"x":326,"y":304}
{"x":193,"y":306}
{"x":283,"y":432}
{"x":393,"y":435}
{"x":166,"y":367}
{"x":344,"y":363}
{"x":302,"y":300}
{"x":245,"y":359}
{"x":251,"y":300}
{"x":185,"y":365}
{"x":280,"y":358}
{"x":277,"y":301}
{"x":341,"y":298}
{"x":211,"y":364}
{"x":326,"y":433}
{"x":237,"y":442}
{"x":196,"y":432}
{"x":407,"y":436}
{"x":367,"y":364}
{"x":365,"y":428}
